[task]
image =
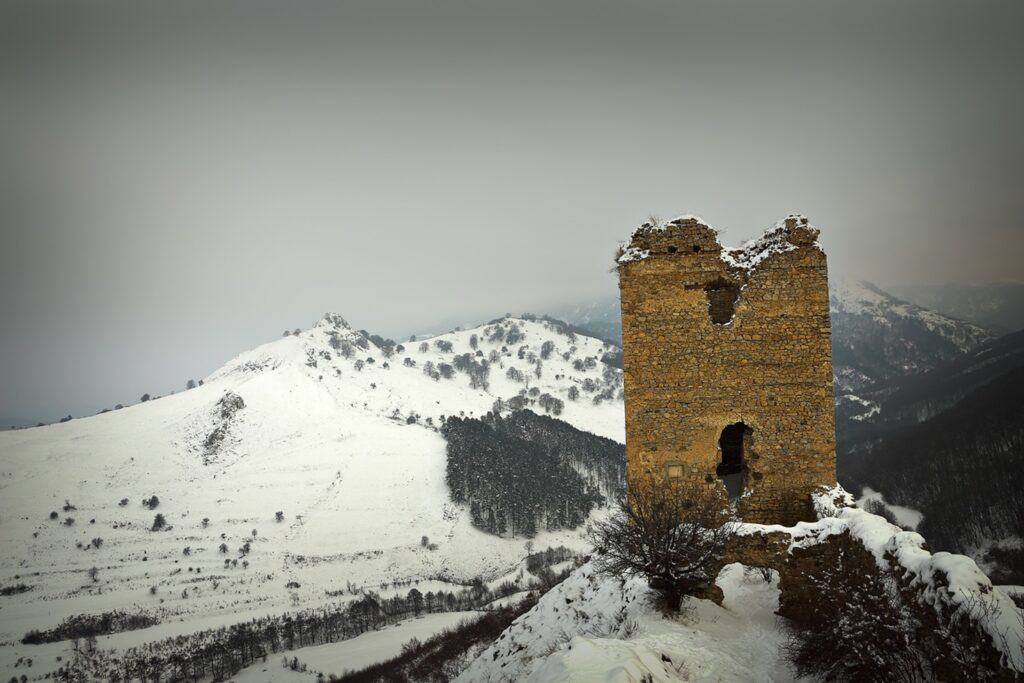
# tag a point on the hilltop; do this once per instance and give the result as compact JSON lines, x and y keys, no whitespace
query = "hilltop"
{"x":315,"y":459}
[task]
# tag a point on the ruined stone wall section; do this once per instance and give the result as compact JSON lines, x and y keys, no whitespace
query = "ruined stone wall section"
{"x":770,"y":366}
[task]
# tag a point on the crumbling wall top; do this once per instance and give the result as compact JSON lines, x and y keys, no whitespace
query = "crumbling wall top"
{"x":691,"y":234}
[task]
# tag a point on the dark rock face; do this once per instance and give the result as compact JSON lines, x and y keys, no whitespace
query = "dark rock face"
{"x":226,"y":410}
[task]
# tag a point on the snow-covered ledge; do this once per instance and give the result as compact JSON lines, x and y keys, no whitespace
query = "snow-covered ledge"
{"x":590,"y":623}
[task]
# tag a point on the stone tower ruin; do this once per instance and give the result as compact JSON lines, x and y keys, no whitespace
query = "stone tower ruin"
{"x":728,"y":364}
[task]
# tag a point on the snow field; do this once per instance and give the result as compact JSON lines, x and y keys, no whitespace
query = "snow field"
{"x":329,"y":446}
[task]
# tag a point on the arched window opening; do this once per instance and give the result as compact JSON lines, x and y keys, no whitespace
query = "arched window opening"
{"x":732,"y":445}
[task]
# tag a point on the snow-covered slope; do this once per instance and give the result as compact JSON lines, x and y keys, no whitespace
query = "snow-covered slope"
{"x":998,"y":304}
{"x":599,"y":628}
{"x":345,"y":447}
{"x":591,"y":628}
{"x":876,"y":336}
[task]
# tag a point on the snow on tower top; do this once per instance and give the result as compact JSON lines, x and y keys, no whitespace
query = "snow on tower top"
{"x":658,"y":239}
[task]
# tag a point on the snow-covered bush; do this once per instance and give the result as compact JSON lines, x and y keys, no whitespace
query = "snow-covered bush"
{"x":869,"y":602}
{"x":852,"y":623}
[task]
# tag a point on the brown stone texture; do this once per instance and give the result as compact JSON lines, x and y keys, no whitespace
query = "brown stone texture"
{"x":714,"y":338}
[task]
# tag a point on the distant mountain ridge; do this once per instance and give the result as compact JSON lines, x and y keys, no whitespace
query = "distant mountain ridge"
{"x":874,"y":335}
{"x":999,"y":305}
{"x":602,"y":318}
{"x":919,"y":396}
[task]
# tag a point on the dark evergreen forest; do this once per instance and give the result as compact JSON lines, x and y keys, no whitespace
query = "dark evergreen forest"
{"x":524,"y":472}
{"x":949,"y":444}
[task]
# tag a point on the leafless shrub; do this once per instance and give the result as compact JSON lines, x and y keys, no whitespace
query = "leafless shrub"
{"x":672,"y":531}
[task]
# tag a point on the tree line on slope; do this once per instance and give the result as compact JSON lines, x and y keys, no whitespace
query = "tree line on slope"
{"x":220,"y":653}
{"x":527,"y":472}
{"x":442,"y":657}
{"x":978,"y":443}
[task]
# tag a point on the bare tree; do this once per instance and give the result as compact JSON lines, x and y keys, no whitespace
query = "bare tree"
{"x":672,"y":531}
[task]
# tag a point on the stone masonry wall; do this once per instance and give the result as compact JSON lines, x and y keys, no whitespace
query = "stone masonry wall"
{"x":769,"y":366}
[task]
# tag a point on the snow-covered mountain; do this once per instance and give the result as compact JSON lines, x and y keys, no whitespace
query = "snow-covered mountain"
{"x":314,"y":459}
{"x":313,"y":466}
{"x":876,"y":336}
{"x":999,"y":304}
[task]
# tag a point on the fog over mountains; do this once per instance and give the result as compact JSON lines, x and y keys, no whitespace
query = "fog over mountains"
{"x":997,"y":305}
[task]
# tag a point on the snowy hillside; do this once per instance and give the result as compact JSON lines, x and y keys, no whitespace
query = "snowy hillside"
{"x":336,"y":433}
{"x":876,"y":336}
{"x":593,"y":627}
{"x":999,"y":304}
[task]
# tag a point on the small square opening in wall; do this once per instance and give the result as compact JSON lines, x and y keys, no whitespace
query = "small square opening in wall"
{"x":674,"y":471}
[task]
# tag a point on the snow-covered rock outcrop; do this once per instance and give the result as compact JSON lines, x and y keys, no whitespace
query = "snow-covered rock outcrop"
{"x":597,"y":628}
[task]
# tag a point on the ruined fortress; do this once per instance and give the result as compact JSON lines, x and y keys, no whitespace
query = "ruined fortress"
{"x":728,"y":364}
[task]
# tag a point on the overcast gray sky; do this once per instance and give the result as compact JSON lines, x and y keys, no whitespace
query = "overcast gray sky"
{"x":181,"y":181}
